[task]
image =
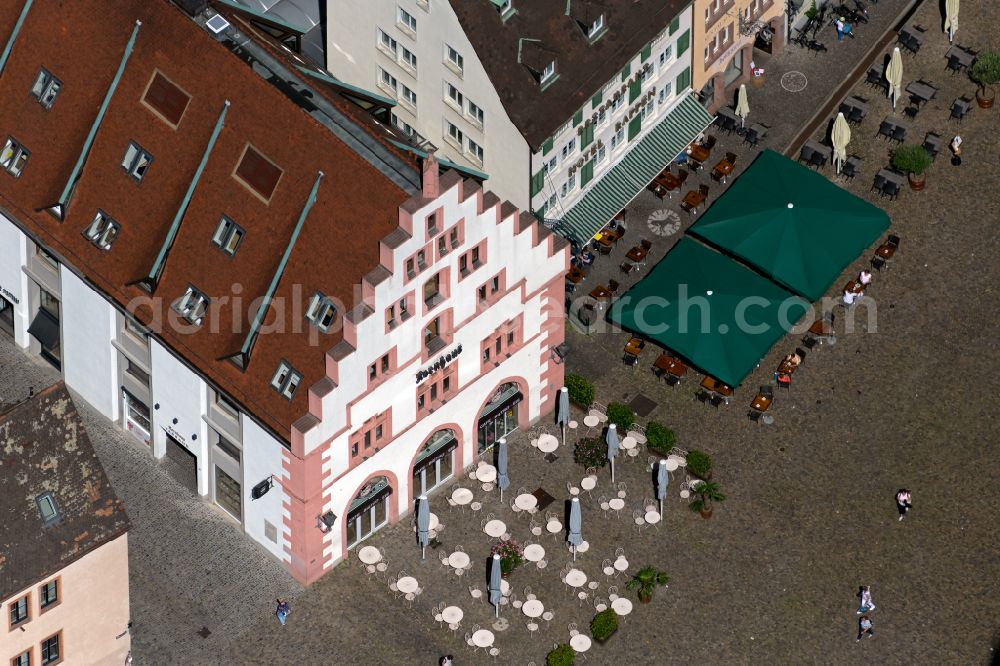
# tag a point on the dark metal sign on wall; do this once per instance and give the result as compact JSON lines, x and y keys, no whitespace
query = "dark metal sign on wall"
{"x":439,"y":364}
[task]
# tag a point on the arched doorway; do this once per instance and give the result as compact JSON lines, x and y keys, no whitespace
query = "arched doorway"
{"x":435,"y":462}
{"x":499,"y":416}
{"x":369,"y":511}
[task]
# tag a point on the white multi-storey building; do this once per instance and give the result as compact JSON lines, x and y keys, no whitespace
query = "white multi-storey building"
{"x":309,"y":327}
{"x":571,"y":108}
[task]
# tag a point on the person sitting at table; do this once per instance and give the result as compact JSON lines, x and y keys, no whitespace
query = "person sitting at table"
{"x":864,"y":278}
{"x":850,"y":297}
{"x":587,"y":257}
{"x":793,"y":359}
{"x":575,"y":261}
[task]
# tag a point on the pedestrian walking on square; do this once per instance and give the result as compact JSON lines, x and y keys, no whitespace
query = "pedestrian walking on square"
{"x":865,"y":627}
{"x":447,"y":660}
{"x":840,"y":28}
{"x":282,"y":611}
{"x":956,"y":150}
{"x":904,"y":502}
{"x":866,"y":599}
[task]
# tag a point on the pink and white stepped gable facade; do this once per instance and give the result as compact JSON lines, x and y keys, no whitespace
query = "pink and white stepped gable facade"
{"x":377,"y":390}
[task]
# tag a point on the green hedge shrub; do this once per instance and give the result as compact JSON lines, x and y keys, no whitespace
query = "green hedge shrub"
{"x":581,"y":390}
{"x":622,"y":416}
{"x":563,"y":655}
{"x":699,"y":464}
{"x":660,"y":438}
{"x":604,"y":624}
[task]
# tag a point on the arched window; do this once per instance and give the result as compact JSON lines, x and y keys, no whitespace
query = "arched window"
{"x":499,"y":416}
{"x":369,"y":512}
{"x":435,"y":463}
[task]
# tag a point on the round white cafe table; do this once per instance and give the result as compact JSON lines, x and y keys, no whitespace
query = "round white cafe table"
{"x":672,"y":464}
{"x":369,"y":555}
{"x":652,"y":517}
{"x":458,"y":559}
{"x":526,"y":502}
{"x":532,"y":608}
{"x":553,"y":526}
{"x":572,"y":425}
{"x":576,"y":578}
{"x":616,"y":503}
{"x":482,"y":638}
{"x":434,"y":522}
{"x":487,"y":474}
{"x":628,"y":443}
{"x":583,"y":547}
{"x":637,"y":436}
{"x":495,"y":528}
{"x":548,"y":443}
{"x":452,"y":614}
{"x":591,"y":420}
{"x":680,"y":460}
{"x":534,"y":552}
{"x":622,"y":606}
{"x":407,"y":584}
{"x":504,"y":586}
{"x":589,"y":482}
{"x":580,"y":642}
{"x":621,"y":564}
{"x":462,"y":496}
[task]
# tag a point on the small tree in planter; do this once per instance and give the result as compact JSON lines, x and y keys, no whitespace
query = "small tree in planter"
{"x":659,"y":438}
{"x":645,"y":581}
{"x":705,"y":494}
{"x":581,"y":390}
{"x":986,"y":72}
{"x":621,"y":415}
{"x":511,"y":555}
{"x":591,"y":452}
{"x":603,"y":625}
{"x":913,"y":160}
{"x":699,"y":464}
{"x":562,"y":655}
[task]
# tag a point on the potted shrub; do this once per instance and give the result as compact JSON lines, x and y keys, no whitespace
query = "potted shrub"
{"x":511,"y":555}
{"x":591,"y":452}
{"x":645,"y":581}
{"x":659,"y":438}
{"x":603,"y":625}
{"x":913,"y":160}
{"x":986,"y":72}
{"x":581,"y":390}
{"x":562,"y":655}
{"x":699,"y":464}
{"x":705,"y":494}
{"x":622,"y":416}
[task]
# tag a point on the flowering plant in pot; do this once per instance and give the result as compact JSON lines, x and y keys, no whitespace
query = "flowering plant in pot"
{"x":914,"y":160}
{"x":645,"y":581}
{"x":591,"y":452}
{"x":511,"y":555}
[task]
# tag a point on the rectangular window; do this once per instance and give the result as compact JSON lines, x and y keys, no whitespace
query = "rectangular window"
{"x":666,"y":92}
{"x":48,"y":594}
{"x":409,"y":58}
{"x":596,"y":27}
{"x":548,"y":72}
{"x":227,"y":405}
{"x":602,"y":116}
{"x":453,"y":237}
{"x":667,"y":55}
{"x":46,"y":88}
{"x":432,"y":291}
{"x":602,"y":153}
{"x":455,"y":95}
{"x":569,"y":148}
{"x":258,"y":173}
{"x":617,"y":102}
{"x":402,"y":124}
{"x":102,"y":231}
{"x":321,"y":311}
{"x":454,"y":57}
{"x":618,"y":138}
{"x":50,"y":650}
{"x":136,"y":160}
{"x":192,"y":305}
{"x":408,"y":95}
{"x":475,"y":112}
{"x":455,"y":134}
{"x":569,"y":185}
{"x":386,"y":79}
{"x":166,"y":99}
{"x":286,"y":380}
{"x":14,"y":157}
{"x":228,"y":236}
{"x":227,"y":492}
{"x":387,"y":42}
{"x":406,"y":19}
{"x":23,"y":659}
{"x":141,"y":375}
{"x":19,"y":610}
{"x":227,"y":447}
{"x":476,"y":151}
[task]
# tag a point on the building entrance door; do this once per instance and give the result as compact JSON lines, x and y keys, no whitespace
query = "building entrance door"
{"x":181,"y":464}
{"x":6,"y":317}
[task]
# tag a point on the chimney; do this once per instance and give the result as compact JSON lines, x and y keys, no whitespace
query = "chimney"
{"x":431,"y":177}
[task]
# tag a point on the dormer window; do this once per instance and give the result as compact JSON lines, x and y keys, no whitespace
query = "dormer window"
{"x":286,"y":380}
{"x":103,"y":231}
{"x":13,"y":157}
{"x":47,"y":509}
{"x":228,"y":236}
{"x":321,"y":311}
{"x":548,"y":72}
{"x":506,"y":8}
{"x":136,"y":160}
{"x":192,"y":305}
{"x":596,"y":28}
{"x":46,"y":88}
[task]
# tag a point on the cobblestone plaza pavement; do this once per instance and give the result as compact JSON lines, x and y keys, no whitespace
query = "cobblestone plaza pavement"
{"x":809,"y":514}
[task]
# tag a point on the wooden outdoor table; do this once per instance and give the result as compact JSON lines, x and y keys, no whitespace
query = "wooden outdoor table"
{"x":607,"y":239}
{"x":668,"y":181}
{"x":886,"y":251}
{"x":892,"y":176}
{"x":698,"y":153}
{"x":575,"y":275}
{"x":761,"y":403}
{"x":723,"y":168}
{"x":694,"y":198}
{"x":663,"y":362}
{"x":600,"y":293}
{"x":637,"y":254}
{"x":822,"y":328}
{"x":715,"y":386}
{"x":854,"y":286}
{"x":922,"y":91}
{"x":786,"y":368}
{"x":960,"y":54}
{"x":634,"y":346}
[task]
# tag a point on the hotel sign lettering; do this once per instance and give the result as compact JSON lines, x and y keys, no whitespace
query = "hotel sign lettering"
{"x":9,"y":296}
{"x":439,"y":364}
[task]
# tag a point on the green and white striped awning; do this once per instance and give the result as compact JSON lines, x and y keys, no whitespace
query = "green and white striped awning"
{"x":624,"y":181}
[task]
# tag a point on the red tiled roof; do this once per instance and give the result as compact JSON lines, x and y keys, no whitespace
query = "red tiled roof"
{"x":82,"y":45}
